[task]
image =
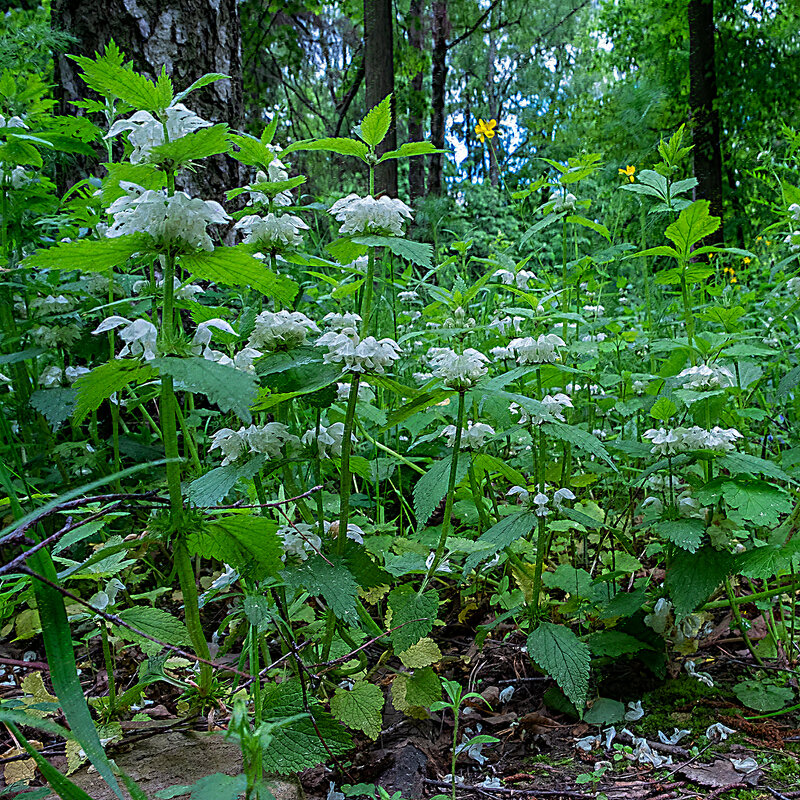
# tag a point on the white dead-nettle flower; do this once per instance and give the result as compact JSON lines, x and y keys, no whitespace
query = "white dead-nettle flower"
{"x":472,"y":437}
{"x":443,"y":566}
{"x":665,"y":442}
{"x":720,"y":439}
{"x":566,"y":203}
{"x":543,"y":350}
{"x":15,"y":178}
{"x":408,"y":297}
{"x":281,"y":330}
{"x":266,"y":440}
{"x":718,"y":732}
{"x":458,"y":371}
{"x":52,"y":304}
{"x":707,"y":377}
{"x":502,"y":326}
{"x":520,"y":279}
{"x":594,"y":337}
{"x":299,"y":541}
{"x":520,"y":492}
{"x":794,"y":211}
{"x":365,"y":393}
{"x":703,"y":677}
{"x":71,"y":374}
{"x":147,"y":132}
{"x":561,"y":495}
{"x":12,"y":122}
{"x":367,"y":215}
{"x":422,"y":377}
{"x":677,"y":735}
{"x":501,"y":353}
{"x":353,"y":531}
{"x":140,"y":336}
{"x":272,"y":231}
{"x":276,"y":172}
{"x":793,"y":285}
{"x":793,"y":240}
{"x":167,"y":220}
{"x":338,"y":322}
{"x":51,"y":377}
{"x":329,"y":440}
{"x":635,"y":711}
{"x":539,"y":504}
{"x":202,"y":337}
{"x":595,"y":311}
{"x":552,"y":410}
{"x":356,"y":354}
{"x":179,"y":292}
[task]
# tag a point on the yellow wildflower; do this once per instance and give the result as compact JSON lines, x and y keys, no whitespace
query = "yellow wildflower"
{"x":758,"y":239}
{"x":627,"y":172}
{"x":768,"y":242}
{"x":746,"y":260}
{"x":486,"y":130}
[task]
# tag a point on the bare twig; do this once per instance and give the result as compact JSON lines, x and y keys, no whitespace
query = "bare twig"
{"x":274,"y":503}
{"x":466,"y":787}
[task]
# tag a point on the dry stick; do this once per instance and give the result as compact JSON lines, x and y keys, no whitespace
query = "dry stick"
{"x":15,"y":662}
{"x":274,"y":503}
{"x":776,"y":794}
{"x":466,"y":787}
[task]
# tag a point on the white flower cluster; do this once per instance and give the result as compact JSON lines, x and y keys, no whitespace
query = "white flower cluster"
{"x":553,"y":410}
{"x":540,"y":501}
{"x":356,"y":354}
{"x":299,"y":540}
{"x":272,"y":231}
{"x":472,"y":437}
{"x":794,"y":211}
{"x":140,"y":335}
{"x":51,"y":304}
{"x":458,"y":371}
{"x":55,"y":376}
{"x":281,"y":330}
{"x":365,"y":393}
{"x":14,"y":178}
{"x":566,"y":203}
{"x":543,"y":350}
{"x":257,"y":439}
{"x":368,"y":215}
{"x":276,"y":171}
{"x":179,"y":218}
{"x":12,"y":122}
{"x":520,"y":279}
{"x":705,"y":377}
{"x":329,"y":441}
{"x":339,"y":321}
{"x":502,"y":326}
{"x":147,"y":132}
{"x":677,"y":440}
{"x":180,"y":292}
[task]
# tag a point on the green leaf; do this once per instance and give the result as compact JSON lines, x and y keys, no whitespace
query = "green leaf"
{"x":788,"y":382}
{"x":360,"y":708}
{"x":250,"y":544}
{"x":692,"y":273}
{"x":56,"y":405}
{"x":115,"y":80}
{"x":763,"y":697}
{"x":431,"y":488}
{"x":154,"y":622}
{"x":693,"y":224}
{"x":615,"y":643}
{"x":230,"y":388}
{"x":233,"y":266}
{"x":410,"y":149}
{"x":271,"y":188}
{"x":693,"y":577}
{"x":748,"y":499}
{"x":213,"y":487}
{"x":484,"y":461}
{"x":572,"y":580}
{"x":509,"y":530}
{"x":376,"y":123}
{"x":661,"y":250}
{"x":587,"y":223}
{"x":211,"y":787}
{"x":580,"y":438}
{"x":204,"y":80}
{"x":563,"y":656}
{"x":296,"y":746}
{"x":329,"y":579}
{"x":251,"y":151}
{"x":107,"y":379}
{"x":88,"y":255}
{"x":745,"y":464}
{"x":685,"y":533}
{"x":148,"y":176}
{"x":344,"y":147}
{"x":663,"y":409}
{"x":605,"y":711}
{"x":193,"y":146}
{"x":422,"y":654}
{"x":417,"y":253}
{"x":415,"y":612}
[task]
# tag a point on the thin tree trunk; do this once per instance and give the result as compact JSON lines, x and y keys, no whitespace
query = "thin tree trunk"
{"x":441,"y":29}
{"x":703,"y":110}
{"x":189,"y":37}
{"x":416,"y":106}
{"x":379,"y":79}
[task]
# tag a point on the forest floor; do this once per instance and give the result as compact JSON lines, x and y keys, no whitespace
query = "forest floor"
{"x":536,"y":756}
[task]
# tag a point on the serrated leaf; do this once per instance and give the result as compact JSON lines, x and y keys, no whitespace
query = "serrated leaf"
{"x":251,"y":151}
{"x":615,"y":643}
{"x":411,"y":149}
{"x":415,"y":613}
{"x":193,"y":146}
{"x":360,"y":708}
{"x":431,"y":488}
{"x":88,"y":255}
{"x":788,"y":382}
{"x":230,"y":388}
{"x":154,"y":622}
{"x":588,"y":223}
{"x":203,"y":80}
{"x":107,"y":379}
{"x":693,"y":224}
{"x":234,"y":266}
{"x":580,"y":438}
{"x":296,"y":746}
{"x":571,"y":580}
{"x":417,"y":253}
{"x":329,"y":579}
{"x":563,"y":656}
{"x":211,"y":787}
{"x":509,"y":530}
{"x":684,"y":533}
{"x":56,"y":405}
{"x":342,"y":146}
{"x":413,"y":694}
{"x":693,"y":577}
{"x":422,"y":654}
{"x":489,"y":463}
{"x":212,"y":488}
{"x":114,"y":80}
{"x":748,"y":499}
{"x":376,"y":123}
{"x":663,"y":409}
{"x":250,"y":544}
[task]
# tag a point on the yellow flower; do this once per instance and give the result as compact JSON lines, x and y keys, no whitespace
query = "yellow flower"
{"x":758,"y":239}
{"x":734,"y":280}
{"x":768,"y":242}
{"x":486,"y":130}
{"x":627,"y":172}
{"x":746,"y":260}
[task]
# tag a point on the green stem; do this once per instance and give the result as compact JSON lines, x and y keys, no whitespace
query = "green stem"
{"x":109,"y":662}
{"x":737,"y":616}
{"x":344,"y":486}
{"x":366,"y":302}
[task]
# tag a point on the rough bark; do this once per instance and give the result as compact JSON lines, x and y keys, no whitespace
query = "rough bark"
{"x":416,"y":166}
{"x":703,"y":108}
{"x":379,"y":82}
{"x":441,"y":30}
{"x":189,"y":37}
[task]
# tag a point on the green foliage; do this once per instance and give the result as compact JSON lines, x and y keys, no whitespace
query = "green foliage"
{"x":154,"y":622}
{"x":359,"y":707}
{"x":559,"y":652}
{"x":413,"y":615}
{"x":431,"y":488}
{"x":376,"y":123}
{"x":104,"y":381}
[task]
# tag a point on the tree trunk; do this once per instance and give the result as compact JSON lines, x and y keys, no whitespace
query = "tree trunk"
{"x":189,"y":37}
{"x":379,"y":79}
{"x":703,"y":110}
{"x":441,"y":29}
{"x":416,"y":106}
